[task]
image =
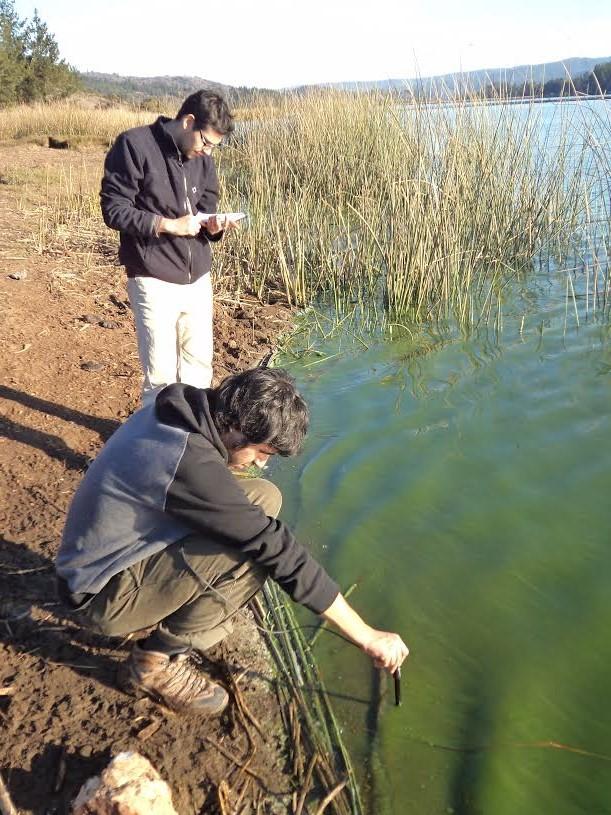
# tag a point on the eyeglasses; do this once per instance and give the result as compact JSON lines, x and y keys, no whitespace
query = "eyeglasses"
{"x":209,"y":145}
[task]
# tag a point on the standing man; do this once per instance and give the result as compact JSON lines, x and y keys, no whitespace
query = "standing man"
{"x":156,"y":179}
{"x":161,"y":533}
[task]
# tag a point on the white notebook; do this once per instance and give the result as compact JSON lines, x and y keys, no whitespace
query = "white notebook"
{"x":202,"y":217}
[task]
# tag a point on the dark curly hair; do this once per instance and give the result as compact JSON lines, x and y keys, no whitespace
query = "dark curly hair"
{"x":209,"y":110}
{"x":265,"y":406}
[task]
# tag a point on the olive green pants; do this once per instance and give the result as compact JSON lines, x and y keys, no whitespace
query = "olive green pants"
{"x":190,"y":590}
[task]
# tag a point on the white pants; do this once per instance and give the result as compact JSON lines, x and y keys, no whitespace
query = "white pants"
{"x":174,"y":330}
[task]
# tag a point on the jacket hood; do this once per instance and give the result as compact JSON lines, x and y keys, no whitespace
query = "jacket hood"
{"x":190,"y":409}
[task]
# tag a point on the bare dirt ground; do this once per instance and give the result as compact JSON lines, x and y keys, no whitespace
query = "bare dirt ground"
{"x":70,"y":375}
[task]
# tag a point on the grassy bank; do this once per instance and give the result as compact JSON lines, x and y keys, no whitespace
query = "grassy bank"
{"x":420,"y":210}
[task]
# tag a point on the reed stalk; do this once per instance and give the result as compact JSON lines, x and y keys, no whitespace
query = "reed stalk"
{"x":352,"y":195}
{"x":302,"y":682}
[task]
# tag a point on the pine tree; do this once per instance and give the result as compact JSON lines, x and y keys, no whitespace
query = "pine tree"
{"x":11,"y":52}
{"x":601,"y":81}
{"x":30,"y":65}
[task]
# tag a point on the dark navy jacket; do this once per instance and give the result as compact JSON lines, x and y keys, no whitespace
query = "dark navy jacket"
{"x":146,"y":178}
{"x":163,"y":475}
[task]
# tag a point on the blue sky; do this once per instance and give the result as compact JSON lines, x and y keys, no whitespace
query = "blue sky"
{"x":275,"y":44}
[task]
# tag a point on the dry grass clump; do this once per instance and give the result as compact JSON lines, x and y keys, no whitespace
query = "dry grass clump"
{"x":68,"y":120}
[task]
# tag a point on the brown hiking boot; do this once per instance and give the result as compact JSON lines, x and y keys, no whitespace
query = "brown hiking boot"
{"x":175,"y":681}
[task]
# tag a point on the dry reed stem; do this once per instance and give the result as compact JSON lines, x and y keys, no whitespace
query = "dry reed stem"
{"x":242,"y":765}
{"x":60,"y":776}
{"x":241,"y":703}
{"x":148,"y":731}
{"x":306,"y":784}
{"x":245,"y":787}
{"x":29,"y":571}
{"x":223,"y":798}
{"x":331,"y":796}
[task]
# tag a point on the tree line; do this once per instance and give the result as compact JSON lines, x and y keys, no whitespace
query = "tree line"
{"x":590,"y":83}
{"x":146,"y":91}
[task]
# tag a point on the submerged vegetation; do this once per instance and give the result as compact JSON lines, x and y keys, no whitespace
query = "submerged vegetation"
{"x":412,"y":211}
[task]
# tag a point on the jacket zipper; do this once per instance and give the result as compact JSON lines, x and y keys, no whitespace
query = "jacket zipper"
{"x":188,"y":211}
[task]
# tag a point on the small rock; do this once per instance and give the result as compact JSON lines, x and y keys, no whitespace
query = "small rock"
{"x":109,"y":324}
{"x":87,"y":751}
{"x":92,"y":366}
{"x":18,"y":275}
{"x":130,"y":785}
{"x":90,"y":318}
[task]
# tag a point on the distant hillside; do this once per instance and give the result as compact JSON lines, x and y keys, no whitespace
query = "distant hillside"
{"x":141,"y":88}
{"x":476,"y":80}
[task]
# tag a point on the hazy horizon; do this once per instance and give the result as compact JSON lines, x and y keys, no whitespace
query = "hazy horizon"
{"x":486,"y":69}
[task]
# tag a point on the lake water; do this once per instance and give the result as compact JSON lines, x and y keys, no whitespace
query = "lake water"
{"x":462,"y":482}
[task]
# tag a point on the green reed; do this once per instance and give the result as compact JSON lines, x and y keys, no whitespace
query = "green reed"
{"x":361,"y":198}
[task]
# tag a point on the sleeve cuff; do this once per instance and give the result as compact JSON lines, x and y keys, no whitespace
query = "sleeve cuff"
{"x":322,"y":597}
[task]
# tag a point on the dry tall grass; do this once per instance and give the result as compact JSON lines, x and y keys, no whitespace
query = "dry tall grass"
{"x":69,"y":120}
{"x":422,"y":209}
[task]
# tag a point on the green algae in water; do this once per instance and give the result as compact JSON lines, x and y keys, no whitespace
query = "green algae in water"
{"x":466,"y":492}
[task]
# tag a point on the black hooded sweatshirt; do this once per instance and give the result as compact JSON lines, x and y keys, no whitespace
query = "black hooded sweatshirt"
{"x":162,"y":476}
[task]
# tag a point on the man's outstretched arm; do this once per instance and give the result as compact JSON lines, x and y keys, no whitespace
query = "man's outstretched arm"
{"x":387,"y":650}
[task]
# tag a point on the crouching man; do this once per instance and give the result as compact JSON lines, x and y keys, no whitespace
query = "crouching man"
{"x":164,"y":532}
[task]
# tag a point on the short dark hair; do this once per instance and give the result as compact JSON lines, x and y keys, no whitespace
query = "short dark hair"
{"x":209,"y":110}
{"x":265,"y":406}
